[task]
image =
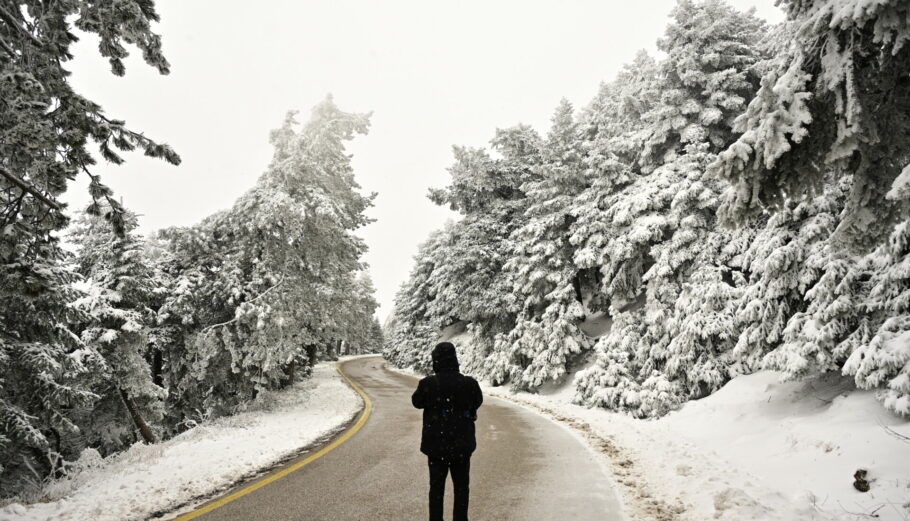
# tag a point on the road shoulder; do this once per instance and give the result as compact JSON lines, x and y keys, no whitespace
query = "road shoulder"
{"x":149,"y":481}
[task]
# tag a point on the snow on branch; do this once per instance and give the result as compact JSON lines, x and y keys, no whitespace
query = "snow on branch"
{"x":257,"y":297}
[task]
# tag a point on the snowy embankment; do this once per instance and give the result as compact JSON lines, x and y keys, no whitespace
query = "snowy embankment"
{"x":146,"y":479}
{"x":757,"y":449}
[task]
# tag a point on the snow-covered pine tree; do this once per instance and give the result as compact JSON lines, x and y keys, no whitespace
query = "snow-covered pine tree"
{"x":650,"y":236}
{"x":708,"y":45}
{"x":46,"y":124}
{"x":622,"y":377}
{"x":45,"y":130}
{"x":822,"y":288}
{"x":43,"y":385}
{"x":470,"y":254}
{"x":834,"y":101}
{"x":649,"y":240}
{"x":613,"y":133}
{"x":546,"y":338}
{"x":707,"y":78}
{"x":356,"y":319}
{"x":469,"y":281}
{"x":117,"y":288}
{"x":457,"y":279}
{"x":259,"y":288}
{"x":883,"y":362}
{"x":779,"y":271}
{"x":613,"y":124}
{"x":413,"y":330}
{"x":376,"y":340}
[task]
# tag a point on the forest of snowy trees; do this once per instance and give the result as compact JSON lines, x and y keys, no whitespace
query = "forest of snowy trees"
{"x":124,"y":337}
{"x":739,"y":203}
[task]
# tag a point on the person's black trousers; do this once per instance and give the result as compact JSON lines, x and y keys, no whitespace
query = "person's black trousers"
{"x":439,"y":469}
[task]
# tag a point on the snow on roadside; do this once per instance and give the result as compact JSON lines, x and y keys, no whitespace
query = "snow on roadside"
{"x":757,"y":449}
{"x":146,"y":479}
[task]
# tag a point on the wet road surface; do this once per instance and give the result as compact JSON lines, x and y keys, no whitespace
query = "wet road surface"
{"x":526,"y":468}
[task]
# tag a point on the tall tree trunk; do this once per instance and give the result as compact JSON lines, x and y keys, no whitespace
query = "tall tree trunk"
{"x":576,"y":284}
{"x":143,"y":427}
{"x":157,"y":366}
{"x":290,"y":371}
{"x":311,"y":354}
{"x":330,"y":350}
{"x":57,"y":469}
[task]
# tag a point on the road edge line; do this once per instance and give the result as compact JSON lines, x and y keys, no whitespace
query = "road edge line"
{"x":343,"y":437}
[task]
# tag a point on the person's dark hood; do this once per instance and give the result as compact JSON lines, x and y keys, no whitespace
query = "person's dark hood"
{"x":444,"y":357}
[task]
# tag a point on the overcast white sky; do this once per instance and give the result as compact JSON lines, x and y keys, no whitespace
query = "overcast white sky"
{"x":434,"y":73}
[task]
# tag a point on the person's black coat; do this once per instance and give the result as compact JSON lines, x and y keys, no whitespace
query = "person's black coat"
{"x":449,"y":401}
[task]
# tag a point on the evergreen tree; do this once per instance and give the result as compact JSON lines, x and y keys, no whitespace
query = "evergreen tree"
{"x":883,"y":361}
{"x":261,"y":289}
{"x":707,"y":78}
{"x":650,"y":242}
{"x":835,"y":101}
{"x":615,"y":217}
{"x":357,"y":324}
{"x":468,"y":280}
{"x":546,"y":337}
{"x":654,"y":237}
{"x":42,"y":377}
{"x":413,"y":329}
{"x":817,"y":289}
{"x":117,"y":288}
{"x":45,"y":131}
{"x":613,"y":125}
{"x":376,"y":339}
{"x":46,"y":125}
{"x":779,"y":272}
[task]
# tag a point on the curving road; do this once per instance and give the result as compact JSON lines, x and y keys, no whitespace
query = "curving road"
{"x":526,"y":468}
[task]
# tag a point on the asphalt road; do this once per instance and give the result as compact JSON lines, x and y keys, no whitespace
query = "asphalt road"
{"x":526,"y":468}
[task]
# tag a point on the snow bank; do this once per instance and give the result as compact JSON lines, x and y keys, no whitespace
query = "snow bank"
{"x":146,"y":479}
{"x":757,"y":449}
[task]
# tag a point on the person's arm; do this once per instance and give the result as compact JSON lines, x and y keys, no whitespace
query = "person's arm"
{"x":478,"y":395}
{"x":419,"y":398}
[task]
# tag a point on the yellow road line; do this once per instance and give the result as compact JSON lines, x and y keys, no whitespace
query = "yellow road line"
{"x":364,"y":415}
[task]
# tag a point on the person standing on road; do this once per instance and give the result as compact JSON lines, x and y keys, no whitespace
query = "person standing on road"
{"x":449,"y":401}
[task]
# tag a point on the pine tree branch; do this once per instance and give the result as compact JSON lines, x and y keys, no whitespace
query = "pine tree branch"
{"x":13,"y":209}
{"x":30,"y":189}
{"x":96,"y":179}
{"x":8,"y":18}
{"x":257,"y":297}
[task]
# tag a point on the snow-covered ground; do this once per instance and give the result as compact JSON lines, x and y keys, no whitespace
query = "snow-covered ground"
{"x":146,"y":479}
{"x":757,"y":449}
